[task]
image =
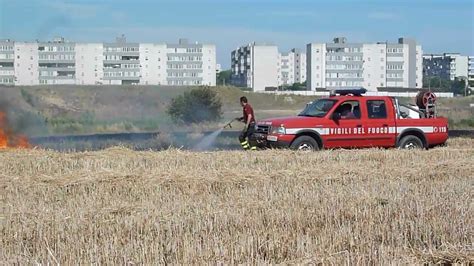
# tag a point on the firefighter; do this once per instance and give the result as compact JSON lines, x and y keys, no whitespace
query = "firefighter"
{"x":249,"y":119}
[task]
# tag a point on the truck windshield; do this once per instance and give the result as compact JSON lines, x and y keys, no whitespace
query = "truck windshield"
{"x":318,"y":108}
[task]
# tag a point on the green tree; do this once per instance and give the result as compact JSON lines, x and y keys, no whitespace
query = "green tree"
{"x":223,"y":78}
{"x":442,"y":85}
{"x":197,"y":105}
{"x":294,"y":87}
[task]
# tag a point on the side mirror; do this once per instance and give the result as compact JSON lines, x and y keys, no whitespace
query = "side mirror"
{"x":336,"y":116}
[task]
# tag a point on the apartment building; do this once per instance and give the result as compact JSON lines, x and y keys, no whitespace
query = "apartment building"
{"x":255,"y":66}
{"x":60,"y":62}
{"x":448,"y":66}
{"x":292,"y":68}
{"x":471,"y":69}
{"x":7,"y":61}
{"x":89,"y":64}
{"x":261,"y":67}
{"x":191,"y":64}
{"x":26,"y":64}
{"x":374,"y":66}
{"x":121,"y":63}
{"x":56,"y":62}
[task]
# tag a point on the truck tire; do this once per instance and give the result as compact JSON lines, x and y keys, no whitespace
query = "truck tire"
{"x":410,"y":142}
{"x":305,"y":143}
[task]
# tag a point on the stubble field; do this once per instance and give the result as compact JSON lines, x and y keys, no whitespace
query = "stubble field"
{"x":341,"y":207}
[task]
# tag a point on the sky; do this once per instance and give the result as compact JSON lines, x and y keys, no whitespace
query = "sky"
{"x":438,"y":25}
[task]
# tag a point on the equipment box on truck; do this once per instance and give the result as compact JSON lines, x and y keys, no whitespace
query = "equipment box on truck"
{"x":347,"y":119}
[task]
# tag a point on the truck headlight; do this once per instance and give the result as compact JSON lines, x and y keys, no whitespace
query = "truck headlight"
{"x":281,"y":130}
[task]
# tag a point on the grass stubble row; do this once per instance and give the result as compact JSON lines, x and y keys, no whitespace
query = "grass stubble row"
{"x":342,"y":206}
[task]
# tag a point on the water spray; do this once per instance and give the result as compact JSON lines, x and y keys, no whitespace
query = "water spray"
{"x":208,"y":141}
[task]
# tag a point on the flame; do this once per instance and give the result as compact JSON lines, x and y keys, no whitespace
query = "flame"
{"x":3,"y":139}
{"x":3,"y":135}
{"x":10,"y":140}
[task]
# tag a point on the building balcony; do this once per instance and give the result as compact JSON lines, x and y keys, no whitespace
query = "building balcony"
{"x":7,"y":60}
{"x":57,"y":61}
{"x":132,"y":54}
{"x":120,"y":69}
{"x":122,"y":78}
{"x":55,"y":68}
{"x":58,"y":77}
{"x":122,"y":61}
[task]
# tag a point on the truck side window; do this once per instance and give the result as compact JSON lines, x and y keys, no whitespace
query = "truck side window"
{"x":376,"y":109}
{"x":349,"y":110}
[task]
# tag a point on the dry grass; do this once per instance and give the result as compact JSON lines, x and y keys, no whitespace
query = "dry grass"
{"x":336,"y":207}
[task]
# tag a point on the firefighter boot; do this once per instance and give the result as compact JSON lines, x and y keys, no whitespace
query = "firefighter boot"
{"x":245,"y":145}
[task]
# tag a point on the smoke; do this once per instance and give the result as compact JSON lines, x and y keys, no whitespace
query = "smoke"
{"x":18,"y":119}
{"x":51,"y":25}
{"x":8,"y":136}
{"x":208,"y":141}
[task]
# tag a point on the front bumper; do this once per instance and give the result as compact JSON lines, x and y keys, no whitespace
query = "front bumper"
{"x":273,"y":141}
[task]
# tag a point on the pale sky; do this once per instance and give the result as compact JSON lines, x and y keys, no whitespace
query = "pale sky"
{"x":438,"y":25}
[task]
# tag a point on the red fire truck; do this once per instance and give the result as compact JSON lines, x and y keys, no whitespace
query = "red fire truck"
{"x":347,"y":119}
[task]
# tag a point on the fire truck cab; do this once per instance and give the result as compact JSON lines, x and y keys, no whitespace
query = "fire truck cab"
{"x":347,"y":119}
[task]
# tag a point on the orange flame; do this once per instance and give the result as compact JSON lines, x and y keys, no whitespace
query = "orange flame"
{"x":10,"y":140}
{"x":3,"y":140}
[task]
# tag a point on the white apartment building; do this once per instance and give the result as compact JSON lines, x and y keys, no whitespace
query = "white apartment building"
{"x":255,"y":66}
{"x":261,"y":67}
{"x":471,"y":68}
{"x":118,"y":63}
{"x":89,"y":63}
{"x":191,"y":64}
{"x":292,"y":68}
{"x":374,"y":66}
{"x":56,"y":62}
{"x":446,"y":66}
{"x":7,"y":61}
{"x":26,"y":64}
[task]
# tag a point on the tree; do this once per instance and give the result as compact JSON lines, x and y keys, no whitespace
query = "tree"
{"x":197,"y":105}
{"x":455,"y":86}
{"x":294,"y":87}
{"x":223,"y":78}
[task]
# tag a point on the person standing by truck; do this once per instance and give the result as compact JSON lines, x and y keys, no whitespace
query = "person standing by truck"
{"x":249,"y":119}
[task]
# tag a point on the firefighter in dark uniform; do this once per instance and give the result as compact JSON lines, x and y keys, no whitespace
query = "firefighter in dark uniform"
{"x":249,"y":119}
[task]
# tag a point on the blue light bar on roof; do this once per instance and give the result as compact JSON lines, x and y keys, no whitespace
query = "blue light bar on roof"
{"x":356,"y":91}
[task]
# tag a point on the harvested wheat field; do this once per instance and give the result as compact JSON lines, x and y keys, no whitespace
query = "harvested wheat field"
{"x":342,"y":207}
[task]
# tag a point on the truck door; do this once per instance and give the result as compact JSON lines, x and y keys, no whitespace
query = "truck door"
{"x":345,"y":126}
{"x":379,"y":124}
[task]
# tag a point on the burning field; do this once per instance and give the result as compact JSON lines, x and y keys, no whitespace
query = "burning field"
{"x":119,"y":206}
{"x":8,"y":138}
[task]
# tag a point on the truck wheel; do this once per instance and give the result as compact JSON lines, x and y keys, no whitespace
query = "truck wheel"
{"x":410,"y":142}
{"x":305,"y":143}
